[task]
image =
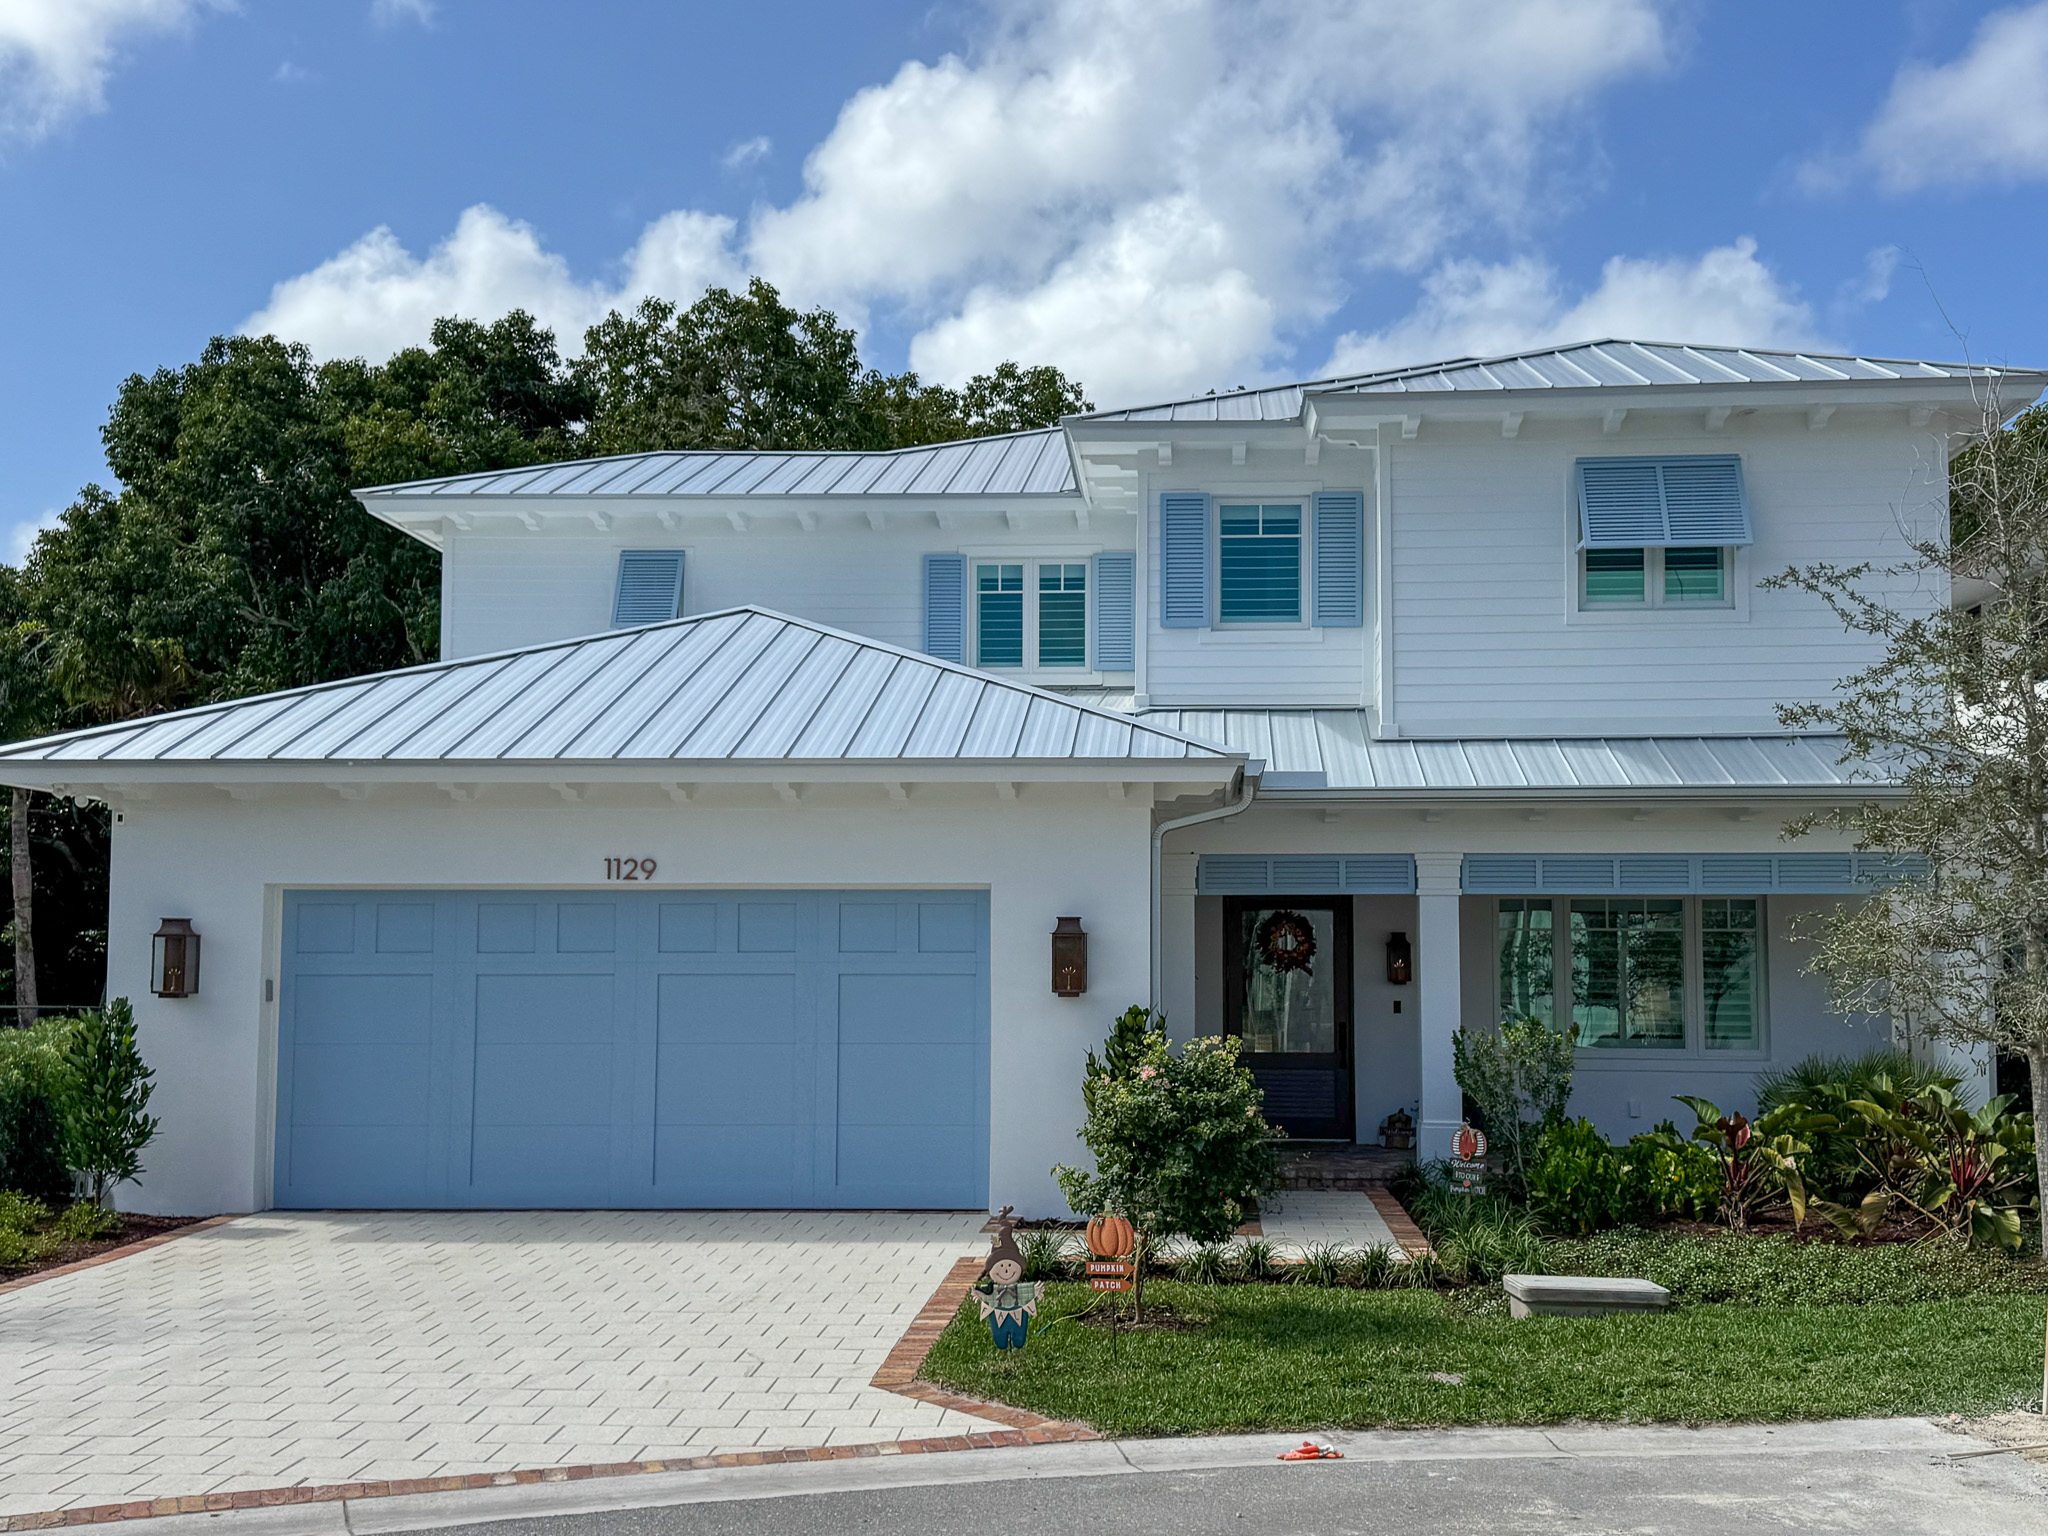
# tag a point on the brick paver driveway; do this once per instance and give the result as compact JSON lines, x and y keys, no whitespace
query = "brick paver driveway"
{"x":321,"y":1348}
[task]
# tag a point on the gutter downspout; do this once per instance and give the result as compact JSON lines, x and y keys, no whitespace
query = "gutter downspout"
{"x":1248,"y":791}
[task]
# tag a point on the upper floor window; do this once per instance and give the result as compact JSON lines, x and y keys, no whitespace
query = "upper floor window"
{"x":1031,"y":608}
{"x":1621,"y":578}
{"x":1259,"y":559}
{"x":1658,"y":532}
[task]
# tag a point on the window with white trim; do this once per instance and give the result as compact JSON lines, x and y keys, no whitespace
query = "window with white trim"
{"x":1679,"y":577}
{"x":1031,"y":615}
{"x":1636,"y":973}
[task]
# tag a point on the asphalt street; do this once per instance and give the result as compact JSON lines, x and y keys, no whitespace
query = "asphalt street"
{"x":1893,"y":1477}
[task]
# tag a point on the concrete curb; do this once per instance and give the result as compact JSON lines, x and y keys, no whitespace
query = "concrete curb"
{"x":874,"y":1470}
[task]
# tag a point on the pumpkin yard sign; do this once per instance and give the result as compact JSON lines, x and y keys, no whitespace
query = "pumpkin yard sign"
{"x":1110,"y":1253}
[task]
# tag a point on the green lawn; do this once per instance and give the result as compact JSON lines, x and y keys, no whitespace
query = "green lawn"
{"x":1286,"y":1357}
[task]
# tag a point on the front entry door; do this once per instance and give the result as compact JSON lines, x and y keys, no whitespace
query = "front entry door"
{"x":1287,"y":995}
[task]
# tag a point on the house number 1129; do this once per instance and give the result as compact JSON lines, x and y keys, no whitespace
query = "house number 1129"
{"x":629,"y":869}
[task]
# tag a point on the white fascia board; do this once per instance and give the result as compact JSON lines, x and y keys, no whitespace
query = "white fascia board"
{"x":95,"y":776}
{"x":1956,"y":398}
{"x":1601,"y":794}
{"x":422,"y":516}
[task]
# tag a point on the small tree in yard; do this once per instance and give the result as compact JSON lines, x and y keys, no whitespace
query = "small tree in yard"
{"x":1181,"y":1145}
{"x":105,"y":1099}
{"x":1954,"y":717}
{"x":1521,"y":1078}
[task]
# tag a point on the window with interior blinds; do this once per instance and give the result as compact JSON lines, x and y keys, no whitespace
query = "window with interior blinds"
{"x":1340,"y":559}
{"x":1116,"y":611}
{"x":650,"y":587}
{"x":1645,"y":502}
{"x":945,"y":607}
{"x":1183,"y":560}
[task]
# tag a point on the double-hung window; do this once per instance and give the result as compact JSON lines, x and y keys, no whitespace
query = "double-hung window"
{"x":1031,"y":614}
{"x":1660,"y":533}
{"x":1653,"y":973}
{"x":1259,"y":548}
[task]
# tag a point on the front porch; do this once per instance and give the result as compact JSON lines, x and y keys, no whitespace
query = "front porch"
{"x":1680,"y":970}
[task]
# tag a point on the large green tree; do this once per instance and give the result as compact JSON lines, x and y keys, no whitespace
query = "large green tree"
{"x":231,"y":558}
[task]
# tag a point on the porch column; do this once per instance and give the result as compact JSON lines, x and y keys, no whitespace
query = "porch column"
{"x":1438,"y":884}
{"x":1177,"y":958}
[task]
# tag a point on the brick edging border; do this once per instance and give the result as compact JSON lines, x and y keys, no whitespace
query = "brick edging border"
{"x":899,"y":1370}
{"x":1398,"y":1221}
{"x":22,"y":1282}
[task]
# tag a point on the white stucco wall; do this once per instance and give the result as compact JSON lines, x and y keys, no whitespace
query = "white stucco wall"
{"x":225,"y":864}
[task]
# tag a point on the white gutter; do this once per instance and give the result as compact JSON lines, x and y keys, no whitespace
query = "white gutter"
{"x":1247,"y":793}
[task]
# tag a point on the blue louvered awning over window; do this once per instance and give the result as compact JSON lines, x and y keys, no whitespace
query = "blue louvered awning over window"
{"x":1679,"y":874}
{"x":1639,"y":503}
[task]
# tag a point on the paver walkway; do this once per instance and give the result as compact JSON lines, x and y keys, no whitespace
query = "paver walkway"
{"x":1297,"y":1219}
{"x":318,"y":1348}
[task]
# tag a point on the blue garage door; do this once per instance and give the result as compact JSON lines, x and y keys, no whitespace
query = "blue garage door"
{"x":489,"y":1049}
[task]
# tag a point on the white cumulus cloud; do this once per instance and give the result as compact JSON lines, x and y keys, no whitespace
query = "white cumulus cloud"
{"x":1983,"y":116}
{"x":1473,"y":309}
{"x":389,"y":13}
{"x":1157,"y":195}
{"x":56,"y":55}
{"x":376,"y":296}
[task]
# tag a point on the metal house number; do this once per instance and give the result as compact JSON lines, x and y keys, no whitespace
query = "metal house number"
{"x":629,"y":869}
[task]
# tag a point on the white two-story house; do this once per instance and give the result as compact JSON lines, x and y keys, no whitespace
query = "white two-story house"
{"x":718,"y":861}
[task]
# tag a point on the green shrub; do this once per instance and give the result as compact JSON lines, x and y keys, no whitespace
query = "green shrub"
{"x":33,"y":1078}
{"x":1579,"y":1184}
{"x":1798,"y":1083}
{"x":1520,"y":1076}
{"x":18,"y":1250}
{"x":21,"y":1213}
{"x":1181,"y":1146}
{"x":83,"y":1222}
{"x":106,"y":1094}
{"x":1679,"y":1178}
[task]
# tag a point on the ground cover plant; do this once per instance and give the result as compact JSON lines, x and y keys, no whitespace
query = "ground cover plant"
{"x":1287,"y":1357}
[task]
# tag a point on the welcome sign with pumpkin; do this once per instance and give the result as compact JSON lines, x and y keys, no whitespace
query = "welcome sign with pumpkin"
{"x":1110,"y":1250}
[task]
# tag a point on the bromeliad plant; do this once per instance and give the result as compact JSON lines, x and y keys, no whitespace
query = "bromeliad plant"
{"x":1759,"y":1160}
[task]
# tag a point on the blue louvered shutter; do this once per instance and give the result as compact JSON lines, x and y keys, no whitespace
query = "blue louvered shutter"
{"x":1183,"y":560}
{"x":1116,"y":611}
{"x":650,"y":589}
{"x":945,"y":607}
{"x":1340,"y":559}
{"x":1638,"y":503}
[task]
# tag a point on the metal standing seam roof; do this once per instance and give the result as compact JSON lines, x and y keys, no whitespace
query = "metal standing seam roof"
{"x":1333,"y":746}
{"x":745,"y":685}
{"x":1018,"y":464}
{"x":1582,"y":365}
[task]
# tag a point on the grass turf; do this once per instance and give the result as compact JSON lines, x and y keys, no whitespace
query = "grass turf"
{"x":1278,"y":1357}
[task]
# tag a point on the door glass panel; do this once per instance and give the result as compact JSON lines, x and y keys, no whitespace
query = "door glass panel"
{"x":1290,"y":971}
{"x":1628,"y":972}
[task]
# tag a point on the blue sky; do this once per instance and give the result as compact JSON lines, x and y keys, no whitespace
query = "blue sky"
{"x":1159,"y":195}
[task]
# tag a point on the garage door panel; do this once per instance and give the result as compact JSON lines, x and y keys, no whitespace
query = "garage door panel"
{"x":549,"y":1049}
{"x":358,"y":1165}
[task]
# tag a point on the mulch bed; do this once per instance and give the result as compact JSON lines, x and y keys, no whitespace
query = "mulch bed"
{"x":134,"y":1229}
{"x":1159,"y":1318}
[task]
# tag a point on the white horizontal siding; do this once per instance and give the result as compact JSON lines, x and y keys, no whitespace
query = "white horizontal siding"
{"x":1484,"y":580}
{"x":504,"y":590}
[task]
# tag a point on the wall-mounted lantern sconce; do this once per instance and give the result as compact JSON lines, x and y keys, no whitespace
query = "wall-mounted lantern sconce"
{"x":174,"y":959}
{"x":1069,"y":958}
{"x":1400,"y":960}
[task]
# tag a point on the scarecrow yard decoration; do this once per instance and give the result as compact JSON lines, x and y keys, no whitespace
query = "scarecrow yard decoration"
{"x":1008,"y":1302}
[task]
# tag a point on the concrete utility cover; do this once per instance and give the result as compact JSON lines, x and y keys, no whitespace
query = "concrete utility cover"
{"x":321,"y":1348}
{"x":1581,"y":1296}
